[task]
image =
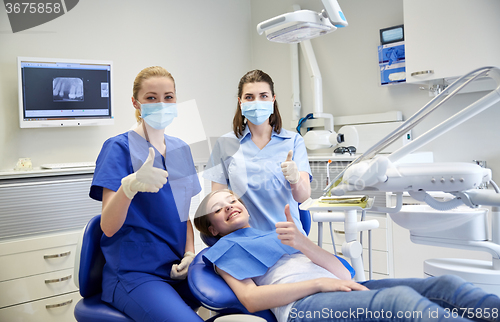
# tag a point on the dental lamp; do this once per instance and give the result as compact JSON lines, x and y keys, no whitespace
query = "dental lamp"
{"x":300,"y":26}
{"x":294,"y":27}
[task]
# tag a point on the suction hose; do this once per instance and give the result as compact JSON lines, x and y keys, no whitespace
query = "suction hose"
{"x":436,"y":204}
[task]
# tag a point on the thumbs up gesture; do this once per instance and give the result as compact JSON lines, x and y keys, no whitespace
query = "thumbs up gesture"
{"x":146,"y":179}
{"x":288,"y":232}
{"x":289,"y":169}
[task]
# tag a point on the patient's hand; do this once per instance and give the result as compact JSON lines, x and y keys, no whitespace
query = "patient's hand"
{"x":288,"y":232}
{"x":335,"y":285}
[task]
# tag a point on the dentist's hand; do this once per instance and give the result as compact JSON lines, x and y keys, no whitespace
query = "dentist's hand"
{"x":290,"y":170}
{"x":179,"y":271}
{"x":288,"y":232}
{"x":146,"y":179}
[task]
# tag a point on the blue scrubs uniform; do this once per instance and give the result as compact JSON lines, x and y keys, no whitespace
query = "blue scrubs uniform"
{"x":140,"y":255}
{"x":255,"y":175}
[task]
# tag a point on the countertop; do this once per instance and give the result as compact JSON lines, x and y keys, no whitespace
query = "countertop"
{"x":39,"y":172}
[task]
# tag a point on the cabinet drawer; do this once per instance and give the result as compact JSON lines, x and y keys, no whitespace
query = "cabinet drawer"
{"x":36,"y":287}
{"x":54,"y":309}
{"x":37,"y":262}
{"x":380,"y":261}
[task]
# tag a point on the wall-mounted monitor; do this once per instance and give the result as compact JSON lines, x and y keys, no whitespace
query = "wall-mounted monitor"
{"x":392,"y":34}
{"x":64,"y":92}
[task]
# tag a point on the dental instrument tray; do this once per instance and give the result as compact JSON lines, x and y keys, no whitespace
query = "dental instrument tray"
{"x":336,"y":203}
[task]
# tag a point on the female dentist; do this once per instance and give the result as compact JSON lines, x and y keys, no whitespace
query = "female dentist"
{"x":259,"y":160}
{"x":145,"y":180}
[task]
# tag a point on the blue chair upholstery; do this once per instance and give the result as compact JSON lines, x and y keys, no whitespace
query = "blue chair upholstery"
{"x":213,"y":292}
{"x":305,"y":219}
{"x":91,"y":308}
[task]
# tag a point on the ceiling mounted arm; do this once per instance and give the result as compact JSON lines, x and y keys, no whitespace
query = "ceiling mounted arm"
{"x":335,"y":14}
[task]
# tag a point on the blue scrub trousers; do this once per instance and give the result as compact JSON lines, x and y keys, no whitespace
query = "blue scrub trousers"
{"x":157,"y":301}
{"x":434,"y":299}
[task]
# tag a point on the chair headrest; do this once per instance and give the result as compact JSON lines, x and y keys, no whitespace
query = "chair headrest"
{"x":208,"y":240}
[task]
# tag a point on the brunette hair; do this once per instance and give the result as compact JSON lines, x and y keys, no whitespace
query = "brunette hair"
{"x":255,"y":76}
{"x":201,"y":220}
{"x":146,"y":73}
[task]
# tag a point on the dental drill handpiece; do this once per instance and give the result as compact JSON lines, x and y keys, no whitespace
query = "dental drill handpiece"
{"x":328,"y":172}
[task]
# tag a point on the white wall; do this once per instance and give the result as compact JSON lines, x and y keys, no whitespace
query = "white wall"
{"x":349,"y":65}
{"x":208,"y":46}
{"x":204,"y":44}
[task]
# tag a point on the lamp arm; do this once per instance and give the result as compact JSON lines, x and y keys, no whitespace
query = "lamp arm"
{"x":315,"y":75}
{"x":335,"y":14}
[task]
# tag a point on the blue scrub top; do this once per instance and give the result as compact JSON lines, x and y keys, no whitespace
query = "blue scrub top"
{"x":153,"y":236}
{"x":255,"y":175}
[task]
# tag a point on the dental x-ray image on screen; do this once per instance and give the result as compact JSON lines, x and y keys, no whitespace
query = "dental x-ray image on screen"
{"x":104,"y":89}
{"x":57,"y":92}
{"x":67,"y":89}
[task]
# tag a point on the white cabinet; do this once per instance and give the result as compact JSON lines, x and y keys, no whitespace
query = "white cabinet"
{"x":54,"y":309}
{"x":36,"y":278}
{"x":448,"y":38}
{"x":380,"y":241}
{"x":42,"y":214}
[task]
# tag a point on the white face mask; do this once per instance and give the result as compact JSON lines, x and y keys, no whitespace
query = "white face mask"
{"x":158,"y":115}
{"x":257,"y":111}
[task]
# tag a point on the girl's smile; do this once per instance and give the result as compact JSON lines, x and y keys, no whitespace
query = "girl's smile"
{"x":226,"y":214}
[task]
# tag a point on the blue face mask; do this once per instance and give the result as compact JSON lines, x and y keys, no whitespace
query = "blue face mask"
{"x":257,"y":111}
{"x":158,"y":115}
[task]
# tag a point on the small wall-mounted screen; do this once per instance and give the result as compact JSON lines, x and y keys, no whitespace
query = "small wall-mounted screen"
{"x":64,"y":92}
{"x":392,"y":34}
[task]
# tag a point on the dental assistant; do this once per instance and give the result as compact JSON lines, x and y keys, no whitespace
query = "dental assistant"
{"x":259,"y":160}
{"x":145,"y":180}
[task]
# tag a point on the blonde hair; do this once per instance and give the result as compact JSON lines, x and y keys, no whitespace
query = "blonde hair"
{"x":146,"y":73}
{"x":201,"y":220}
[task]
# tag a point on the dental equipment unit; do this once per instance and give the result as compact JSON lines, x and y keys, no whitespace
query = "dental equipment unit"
{"x":457,"y":223}
{"x":375,"y":172}
{"x":371,"y":171}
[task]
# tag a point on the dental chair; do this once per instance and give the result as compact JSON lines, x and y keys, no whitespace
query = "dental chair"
{"x":213,"y":292}
{"x":89,"y":262}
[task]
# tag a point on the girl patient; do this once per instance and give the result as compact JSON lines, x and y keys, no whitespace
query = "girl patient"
{"x":286,"y":272}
